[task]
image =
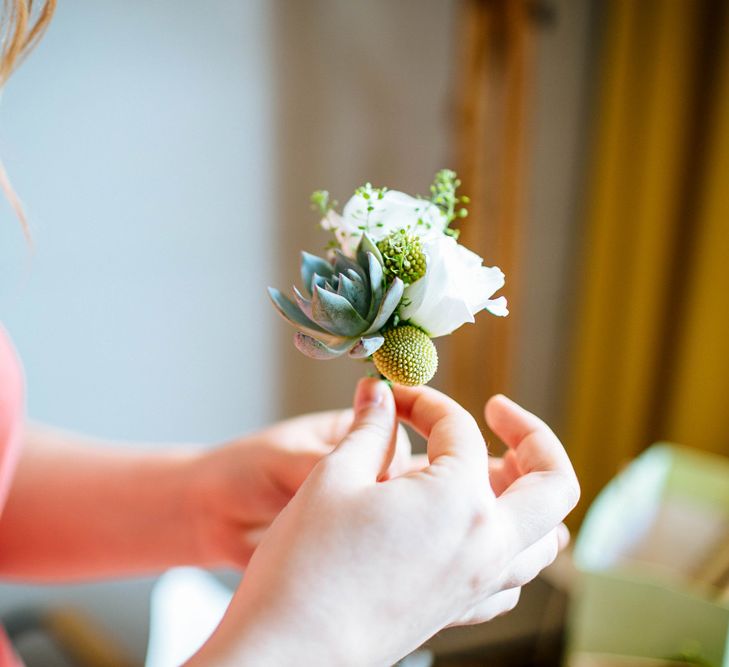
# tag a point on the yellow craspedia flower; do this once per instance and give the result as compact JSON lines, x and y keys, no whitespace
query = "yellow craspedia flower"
{"x":407,"y":356}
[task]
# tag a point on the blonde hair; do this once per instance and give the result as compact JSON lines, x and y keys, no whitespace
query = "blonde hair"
{"x":22,"y":24}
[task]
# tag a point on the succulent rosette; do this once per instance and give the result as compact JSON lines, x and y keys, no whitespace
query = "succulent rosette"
{"x":395,"y":277}
{"x":345,"y":305}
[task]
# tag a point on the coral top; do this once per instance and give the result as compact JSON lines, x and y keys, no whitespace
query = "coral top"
{"x":11,"y":413}
{"x":11,"y":425}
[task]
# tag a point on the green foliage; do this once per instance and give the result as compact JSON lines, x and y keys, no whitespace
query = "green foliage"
{"x":321,"y":202}
{"x":370,"y":194}
{"x":443,"y":195}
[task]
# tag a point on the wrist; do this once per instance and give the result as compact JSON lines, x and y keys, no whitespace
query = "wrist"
{"x":164,"y":481}
{"x":198,"y":515}
{"x":262,"y":634}
{"x":210,"y":509}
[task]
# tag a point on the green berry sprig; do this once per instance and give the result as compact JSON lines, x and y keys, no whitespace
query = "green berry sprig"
{"x":368,"y":192}
{"x":322,"y":202}
{"x":443,"y":194}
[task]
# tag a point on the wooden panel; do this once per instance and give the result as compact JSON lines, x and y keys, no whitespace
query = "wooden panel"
{"x":495,"y":89}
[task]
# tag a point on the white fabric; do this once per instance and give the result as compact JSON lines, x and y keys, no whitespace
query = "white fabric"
{"x":187,"y":605}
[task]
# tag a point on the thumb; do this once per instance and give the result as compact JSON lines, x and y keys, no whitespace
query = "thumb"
{"x":369,"y":446}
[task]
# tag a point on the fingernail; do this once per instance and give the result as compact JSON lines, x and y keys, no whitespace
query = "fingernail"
{"x":370,"y":393}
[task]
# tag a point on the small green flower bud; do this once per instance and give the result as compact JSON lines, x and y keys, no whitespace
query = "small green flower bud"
{"x":403,"y":256}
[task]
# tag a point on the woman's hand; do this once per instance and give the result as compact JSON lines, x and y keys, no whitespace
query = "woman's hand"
{"x":361,"y":571}
{"x":239,"y":488}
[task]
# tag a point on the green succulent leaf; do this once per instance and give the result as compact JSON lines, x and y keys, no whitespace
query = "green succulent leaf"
{"x":303,"y":303}
{"x":312,"y":265}
{"x":389,"y":303}
{"x":377,"y":287}
{"x":344,"y":264}
{"x":366,"y":346}
{"x":318,"y":281}
{"x":367,"y":245}
{"x":315,"y":349}
{"x":342,"y":305}
{"x":335,"y":314}
{"x":291,"y":312}
{"x":356,"y":292}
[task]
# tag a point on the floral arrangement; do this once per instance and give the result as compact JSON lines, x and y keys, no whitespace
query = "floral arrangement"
{"x":394,"y":277}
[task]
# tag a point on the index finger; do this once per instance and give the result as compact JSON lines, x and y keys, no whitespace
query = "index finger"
{"x":547,"y":490}
{"x":450,"y":430}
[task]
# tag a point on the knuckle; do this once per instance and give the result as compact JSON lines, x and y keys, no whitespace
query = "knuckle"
{"x":517,"y":575}
{"x":467,"y":618}
{"x":478,"y":582}
{"x":571,"y":490}
{"x":501,"y":555}
{"x":481,"y":531}
{"x":509,"y":601}
{"x":548,"y":553}
{"x":371,"y":427}
{"x":551,"y":552}
{"x":512,"y":580}
{"x":514,"y":600}
{"x":480,"y":517}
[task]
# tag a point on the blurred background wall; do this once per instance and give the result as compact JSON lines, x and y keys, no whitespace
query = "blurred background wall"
{"x":140,"y":137}
{"x":365,"y":93}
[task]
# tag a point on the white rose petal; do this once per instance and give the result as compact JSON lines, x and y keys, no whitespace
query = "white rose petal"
{"x":454,"y":288}
{"x":394,"y":211}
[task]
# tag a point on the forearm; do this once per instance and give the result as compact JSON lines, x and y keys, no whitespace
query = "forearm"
{"x":80,"y":509}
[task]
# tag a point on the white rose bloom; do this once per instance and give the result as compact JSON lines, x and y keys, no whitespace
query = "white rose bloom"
{"x":454,"y":288}
{"x":396,"y":210}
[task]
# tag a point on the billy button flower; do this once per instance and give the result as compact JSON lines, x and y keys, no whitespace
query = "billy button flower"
{"x":407,"y":356}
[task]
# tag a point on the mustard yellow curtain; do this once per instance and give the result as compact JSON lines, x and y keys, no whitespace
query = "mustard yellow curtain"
{"x":651,"y":332}
{"x":699,"y":394}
